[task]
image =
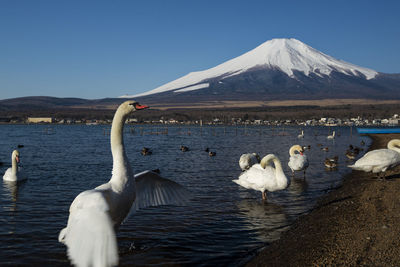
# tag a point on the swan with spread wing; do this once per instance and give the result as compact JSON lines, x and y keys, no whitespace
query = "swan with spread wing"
{"x":96,"y":214}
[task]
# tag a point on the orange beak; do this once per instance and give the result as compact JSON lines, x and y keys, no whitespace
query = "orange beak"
{"x":139,"y":107}
{"x":17,"y":159}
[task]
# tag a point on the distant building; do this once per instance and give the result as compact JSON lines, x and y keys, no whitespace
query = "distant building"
{"x":40,"y":120}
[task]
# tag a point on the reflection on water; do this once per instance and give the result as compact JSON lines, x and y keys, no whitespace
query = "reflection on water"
{"x":11,"y":188}
{"x":266,"y":219}
{"x":221,"y":225}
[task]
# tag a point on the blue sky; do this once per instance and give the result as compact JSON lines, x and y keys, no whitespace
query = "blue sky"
{"x":97,"y":49}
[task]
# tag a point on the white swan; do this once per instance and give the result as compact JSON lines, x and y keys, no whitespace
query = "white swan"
{"x":14,"y":174}
{"x":332,"y":136}
{"x":96,"y":214}
{"x":263,"y":177}
{"x":301,"y":135}
{"x":297,"y":162}
{"x":379,"y":160}
{"x":247,"y":160}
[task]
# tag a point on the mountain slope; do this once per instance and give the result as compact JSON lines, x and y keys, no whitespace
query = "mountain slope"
{"x":276,"y":67}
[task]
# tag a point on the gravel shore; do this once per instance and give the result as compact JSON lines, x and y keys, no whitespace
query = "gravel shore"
{"x":357,"y":224}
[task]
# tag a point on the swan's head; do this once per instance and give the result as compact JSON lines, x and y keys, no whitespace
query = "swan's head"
{"x":131,"y":106}
{"x":297,"y":148}
{"x":15,"y":155}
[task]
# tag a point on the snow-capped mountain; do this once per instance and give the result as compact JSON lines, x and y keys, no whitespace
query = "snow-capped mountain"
{"x":279,"y":68}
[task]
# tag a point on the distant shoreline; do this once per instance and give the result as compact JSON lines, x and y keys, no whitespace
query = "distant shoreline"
{"x":356,"y":224}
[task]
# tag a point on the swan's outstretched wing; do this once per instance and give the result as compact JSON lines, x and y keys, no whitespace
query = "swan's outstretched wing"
{"x":89,"y":235}
{"x":154,"y":190}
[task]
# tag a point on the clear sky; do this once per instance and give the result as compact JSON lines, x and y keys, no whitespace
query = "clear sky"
{"x":97,"y":49}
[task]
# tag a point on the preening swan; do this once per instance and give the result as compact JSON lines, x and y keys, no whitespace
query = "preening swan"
{"x":247,"y":160}
{"x":301,"y":135}
{"x":297,"y":161}
{"x":332,"y":136}
{"x":263,"y":177}
{"x":379,"y":160}
{"x":96,"y":214}
{"x":14,"y":174}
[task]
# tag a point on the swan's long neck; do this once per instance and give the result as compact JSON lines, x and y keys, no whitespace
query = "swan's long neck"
{"x":394,"y":145}
{"x":14,"y":164}
{"x":280,"y":176}
{"x":281,"y":179}
{"x":121,"y":167}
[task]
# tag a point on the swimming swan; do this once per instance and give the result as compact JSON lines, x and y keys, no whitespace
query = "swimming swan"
{"x":332,"y":136}
{"x":263,"y":177}
{"x":301,"y":135}
{"x":379,"y":160}
{"x":14,"y":173}
{"x":247,"y":160}
{"x":96,"y":214}
{"x":297,"y":162}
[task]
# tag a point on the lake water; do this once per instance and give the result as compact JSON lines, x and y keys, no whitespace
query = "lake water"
{"x":223,"y":224}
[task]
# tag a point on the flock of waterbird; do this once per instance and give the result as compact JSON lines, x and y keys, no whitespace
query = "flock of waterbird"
{"x":95,"y":215}
{"x":259,"y":175}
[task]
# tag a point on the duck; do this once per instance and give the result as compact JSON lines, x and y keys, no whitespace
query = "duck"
{"x":301,"y":135}
{"x":351,"y":154}
{"x":379,"y":160}
{"x":146,"y":151}
{"x":212,"y":153}
{"x":184,"y":148}
{"x":96,"y":214}
{"x":297,"y":161}
{"x":326,"y":149}
{"x":332,"y":136}
{"x":263,"y":177}
{"x":14,"y":174}
{"x":331,"y":163}
{"x":247,"y":160}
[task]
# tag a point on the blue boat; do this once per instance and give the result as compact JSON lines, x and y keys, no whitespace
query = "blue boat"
{"x":378,"y":130}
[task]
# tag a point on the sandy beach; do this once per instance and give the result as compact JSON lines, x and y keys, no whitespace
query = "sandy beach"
{"x":357,"y":224}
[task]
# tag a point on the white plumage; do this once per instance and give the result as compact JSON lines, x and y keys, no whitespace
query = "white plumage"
{"x":263,"y":177}
{"x":14,"y":174}
{"x":332,"y":136}
{"x":301,"y":135}
{"x":297,"y":162}
{"x":247,"y":160}
{"x":96,"y":214}
{"x":379,"y":160}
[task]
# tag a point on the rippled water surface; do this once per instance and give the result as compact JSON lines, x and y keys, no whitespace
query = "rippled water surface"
{"x":222,"y":224}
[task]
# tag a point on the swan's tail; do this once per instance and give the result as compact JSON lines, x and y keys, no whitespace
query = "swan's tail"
{"x":90,"y":237}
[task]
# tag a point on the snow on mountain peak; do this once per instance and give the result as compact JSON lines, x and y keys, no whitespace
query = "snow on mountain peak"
{"x":288,"y":55}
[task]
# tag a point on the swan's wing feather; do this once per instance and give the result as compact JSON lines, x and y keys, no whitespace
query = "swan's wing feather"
{"x":378,"y":157}
{"x":89,"y":235}
{"x":256,"y":177}
{"x":154,"y":190}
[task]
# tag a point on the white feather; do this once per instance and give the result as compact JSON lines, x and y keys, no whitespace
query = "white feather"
{"x":377,"y":161}
{"x":247,"y":160}
{"x":298,"y":162}
{"x":89,"y":235}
